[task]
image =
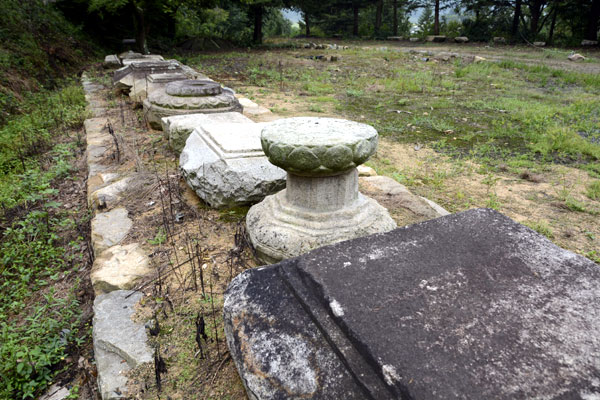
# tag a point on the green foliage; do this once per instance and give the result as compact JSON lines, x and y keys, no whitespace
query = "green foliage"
{"x":37,"y":325}
{"x":593,"y":190}
{"x":30,"y":352}
{"x":193,"y":22}
{"x":48,"y":115}
{"x":425,"y":22}
{"x":540,"y":227}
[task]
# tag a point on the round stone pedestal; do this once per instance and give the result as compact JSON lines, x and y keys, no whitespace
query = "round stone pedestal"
{"x":321,"y":204}
{"x":188,"y":97}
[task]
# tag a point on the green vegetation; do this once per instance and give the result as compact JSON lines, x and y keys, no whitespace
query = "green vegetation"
{"x":38,"y":247}
{"x":38,"y":48}
{"x":495,"y":112}
{"x":540,"y":227}
{"x":593,"y":191}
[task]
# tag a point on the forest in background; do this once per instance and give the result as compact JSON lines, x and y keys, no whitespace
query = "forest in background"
{"x":160,"y":24}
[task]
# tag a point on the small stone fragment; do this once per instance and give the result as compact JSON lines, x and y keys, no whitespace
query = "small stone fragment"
{"x":576,"y":57}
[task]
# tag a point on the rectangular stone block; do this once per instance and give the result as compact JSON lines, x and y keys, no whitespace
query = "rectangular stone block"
{"x":467,"y":306}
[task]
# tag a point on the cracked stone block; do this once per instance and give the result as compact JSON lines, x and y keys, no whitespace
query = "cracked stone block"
{"x":226,"y":166}
{"x":112,"y":61}
{"x":109,"y":228}
{"x":177,"y":128}
{"x":120,"y":267}
{"x":251,"y":108}
{"x":119,"y":343}
{"x":468,"y":306}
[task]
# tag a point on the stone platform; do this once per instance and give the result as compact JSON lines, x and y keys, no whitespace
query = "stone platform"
{"x":189,"y":97}
{"x":466,"y":306}
{"x":321,"y":203}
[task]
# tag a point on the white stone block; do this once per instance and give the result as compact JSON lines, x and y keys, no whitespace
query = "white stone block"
{"x":177,"y":128}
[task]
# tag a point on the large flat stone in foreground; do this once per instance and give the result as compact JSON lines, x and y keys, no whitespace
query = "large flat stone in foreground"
{"x":226,"y":166}
{"x":466,"y":306}
{"x":120,"y":344}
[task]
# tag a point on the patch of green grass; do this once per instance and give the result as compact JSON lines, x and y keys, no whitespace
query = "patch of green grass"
{"x":234,"y":214}
{"x":593,"y":190}
{"x":575,"y":205}
{"x":540,"y":227}
{"x":315,"y":108}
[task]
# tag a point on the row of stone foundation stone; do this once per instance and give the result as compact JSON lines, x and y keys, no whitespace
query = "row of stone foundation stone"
{"x":471,"y":305}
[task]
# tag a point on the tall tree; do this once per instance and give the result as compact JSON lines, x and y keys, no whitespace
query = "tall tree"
{"x":591,"y":31}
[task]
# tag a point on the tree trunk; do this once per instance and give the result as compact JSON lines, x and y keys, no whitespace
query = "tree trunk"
{"x":536,"y":12}
{"x":355,"y":13}
{"x":515,"y":23}
{"x":378,"y":17}
{"x":257,"y":10}
{"x":552,"y":25}
{"x":140,"y":28}
{"x":436,"y":22}
{"x":307,"y":24}
{"x":591,"y":31}
{"x":395,"y":22}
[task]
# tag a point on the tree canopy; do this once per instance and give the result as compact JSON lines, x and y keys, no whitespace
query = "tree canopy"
{"x":245,"y":21}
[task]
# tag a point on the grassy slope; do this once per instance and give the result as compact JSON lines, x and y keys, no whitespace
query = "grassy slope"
{"x":42,"y":108}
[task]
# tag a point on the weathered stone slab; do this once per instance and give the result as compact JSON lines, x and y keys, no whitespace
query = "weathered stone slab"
{"x":177,"y":128}
{"x":98,"y":177}
{"x":189,"y":97}
{"x":109,"y":228}
{"x":251,"y":108}
{"x":145,"y":57}
{"x":130,"y":55}
{"x":124,"y":78}
{"x":586,"y":42}
{"x":111,"y":61}
{"x":119,"y":267}
{"x":436,"y":38}
{"x":467,"y":306}
{"x":142,"y":87}
{"x":461,"y":39}
{"x":576,"y":57}
{"x":225,"y":165}
{"x":119,"y":343}
{"x":392,"y":194}
{"x":108,"y":196}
